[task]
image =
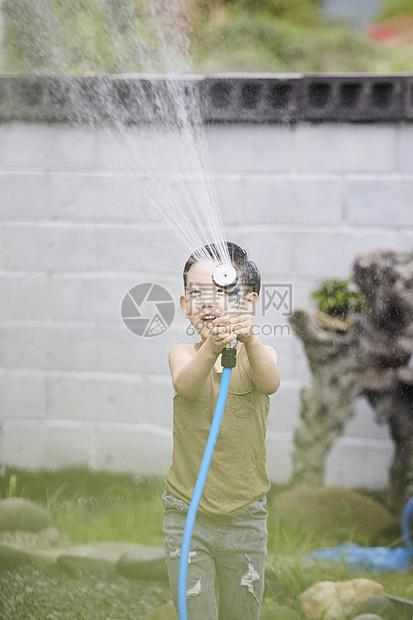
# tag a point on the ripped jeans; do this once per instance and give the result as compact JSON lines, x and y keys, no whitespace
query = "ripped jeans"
{"x":233,"y":549}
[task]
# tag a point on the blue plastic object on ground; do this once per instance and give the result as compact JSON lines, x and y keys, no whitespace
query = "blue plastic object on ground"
{"x":366,"y":559}
{"x":407,"y":512}
{"x":199,"y":487}
{"x":373,"y":559}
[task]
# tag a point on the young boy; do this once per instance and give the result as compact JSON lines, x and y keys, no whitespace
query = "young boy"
{"x":229,"y":538}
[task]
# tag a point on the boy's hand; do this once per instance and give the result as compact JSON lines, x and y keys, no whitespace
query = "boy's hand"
{"x":225,"y":329}
{"x":221,"y":333}
{"x":243,"y":327}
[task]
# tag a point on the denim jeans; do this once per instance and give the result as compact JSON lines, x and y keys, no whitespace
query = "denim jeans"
{"x":228,"y":551}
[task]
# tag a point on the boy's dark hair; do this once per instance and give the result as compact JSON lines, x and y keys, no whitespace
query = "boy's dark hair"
{"x":248,"y":273}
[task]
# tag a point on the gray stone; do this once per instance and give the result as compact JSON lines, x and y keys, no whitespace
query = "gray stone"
{"x":43,"y":539}
{"x":11,"y":557}
{"x":128,"y":559}
{"x":100,"y":556}
{"x":144,"y":563}
{"x":403,"y":606}
{"x":17,"y":513}
{"x":368,"y":617}
{"x":34,"y":548}
{"x":379,"y":605}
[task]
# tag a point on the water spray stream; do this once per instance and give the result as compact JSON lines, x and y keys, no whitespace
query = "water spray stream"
{"x":165,"y":148}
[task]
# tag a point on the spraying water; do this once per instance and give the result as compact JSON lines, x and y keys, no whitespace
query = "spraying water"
{"x":164,"y":143}
{"x":191,"y":212}
{"x":162,"y":137}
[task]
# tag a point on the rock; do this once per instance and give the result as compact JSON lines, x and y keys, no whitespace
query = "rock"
{"x":17,"y":513}
{"x":95,"y":556}
{"x":13,"y":555}
{"x":339,"y":599}
{"x":404,"y":606}
{"x":11,"y":558}
{"x":43,"y":539}
{"x":380,"y":605}
{"x":143,"y":563}
{"x":166,"y":612}
{"x":368,"y":617}
{"x":33,"y":548}
{"x":333,"y":509}
{"x":128,"y":559}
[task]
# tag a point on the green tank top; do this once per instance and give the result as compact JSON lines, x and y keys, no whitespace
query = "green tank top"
{"x":237,"y":475}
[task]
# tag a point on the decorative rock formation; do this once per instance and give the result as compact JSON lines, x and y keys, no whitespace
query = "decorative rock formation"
{"x":327,"y":403}
{"x":369,"y":356}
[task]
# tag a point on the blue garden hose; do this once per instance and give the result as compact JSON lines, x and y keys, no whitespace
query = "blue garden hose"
{"x":226,"y":278}
{"x":407,"y":513}
{"x":199,"y":487}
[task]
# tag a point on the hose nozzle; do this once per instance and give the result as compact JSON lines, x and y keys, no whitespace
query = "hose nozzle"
{"x":225,"y":276}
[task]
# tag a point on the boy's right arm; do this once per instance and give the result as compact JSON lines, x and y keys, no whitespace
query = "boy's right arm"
{"x":190,"y":370}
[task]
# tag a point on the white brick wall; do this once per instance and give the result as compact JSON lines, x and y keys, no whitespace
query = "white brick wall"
{"x":346,"y":148}
{"x":78,"y":231}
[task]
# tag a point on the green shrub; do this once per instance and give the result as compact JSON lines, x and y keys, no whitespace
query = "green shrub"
{"x":93,"y":37}
{"x":291,"y":10}
{"x":242,"y":41}
{"x":334,"y":297}
{"x":391,"y":8}
{"x":75,"y":36}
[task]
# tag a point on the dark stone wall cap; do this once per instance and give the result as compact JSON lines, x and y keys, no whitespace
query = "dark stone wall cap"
{"x":252,"y":98}
{"x":356,"y":97}
{"x":222,"y":98}
{"x":408,"y":97}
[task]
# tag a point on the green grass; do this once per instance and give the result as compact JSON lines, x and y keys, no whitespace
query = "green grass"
{"x":120,"y":512}
{"x":94,"y":507}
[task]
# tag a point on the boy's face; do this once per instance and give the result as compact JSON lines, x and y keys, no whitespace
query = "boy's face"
{"x":203,"y":301}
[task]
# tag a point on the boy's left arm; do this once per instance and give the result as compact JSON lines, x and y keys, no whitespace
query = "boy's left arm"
{"x":262,"y":358}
